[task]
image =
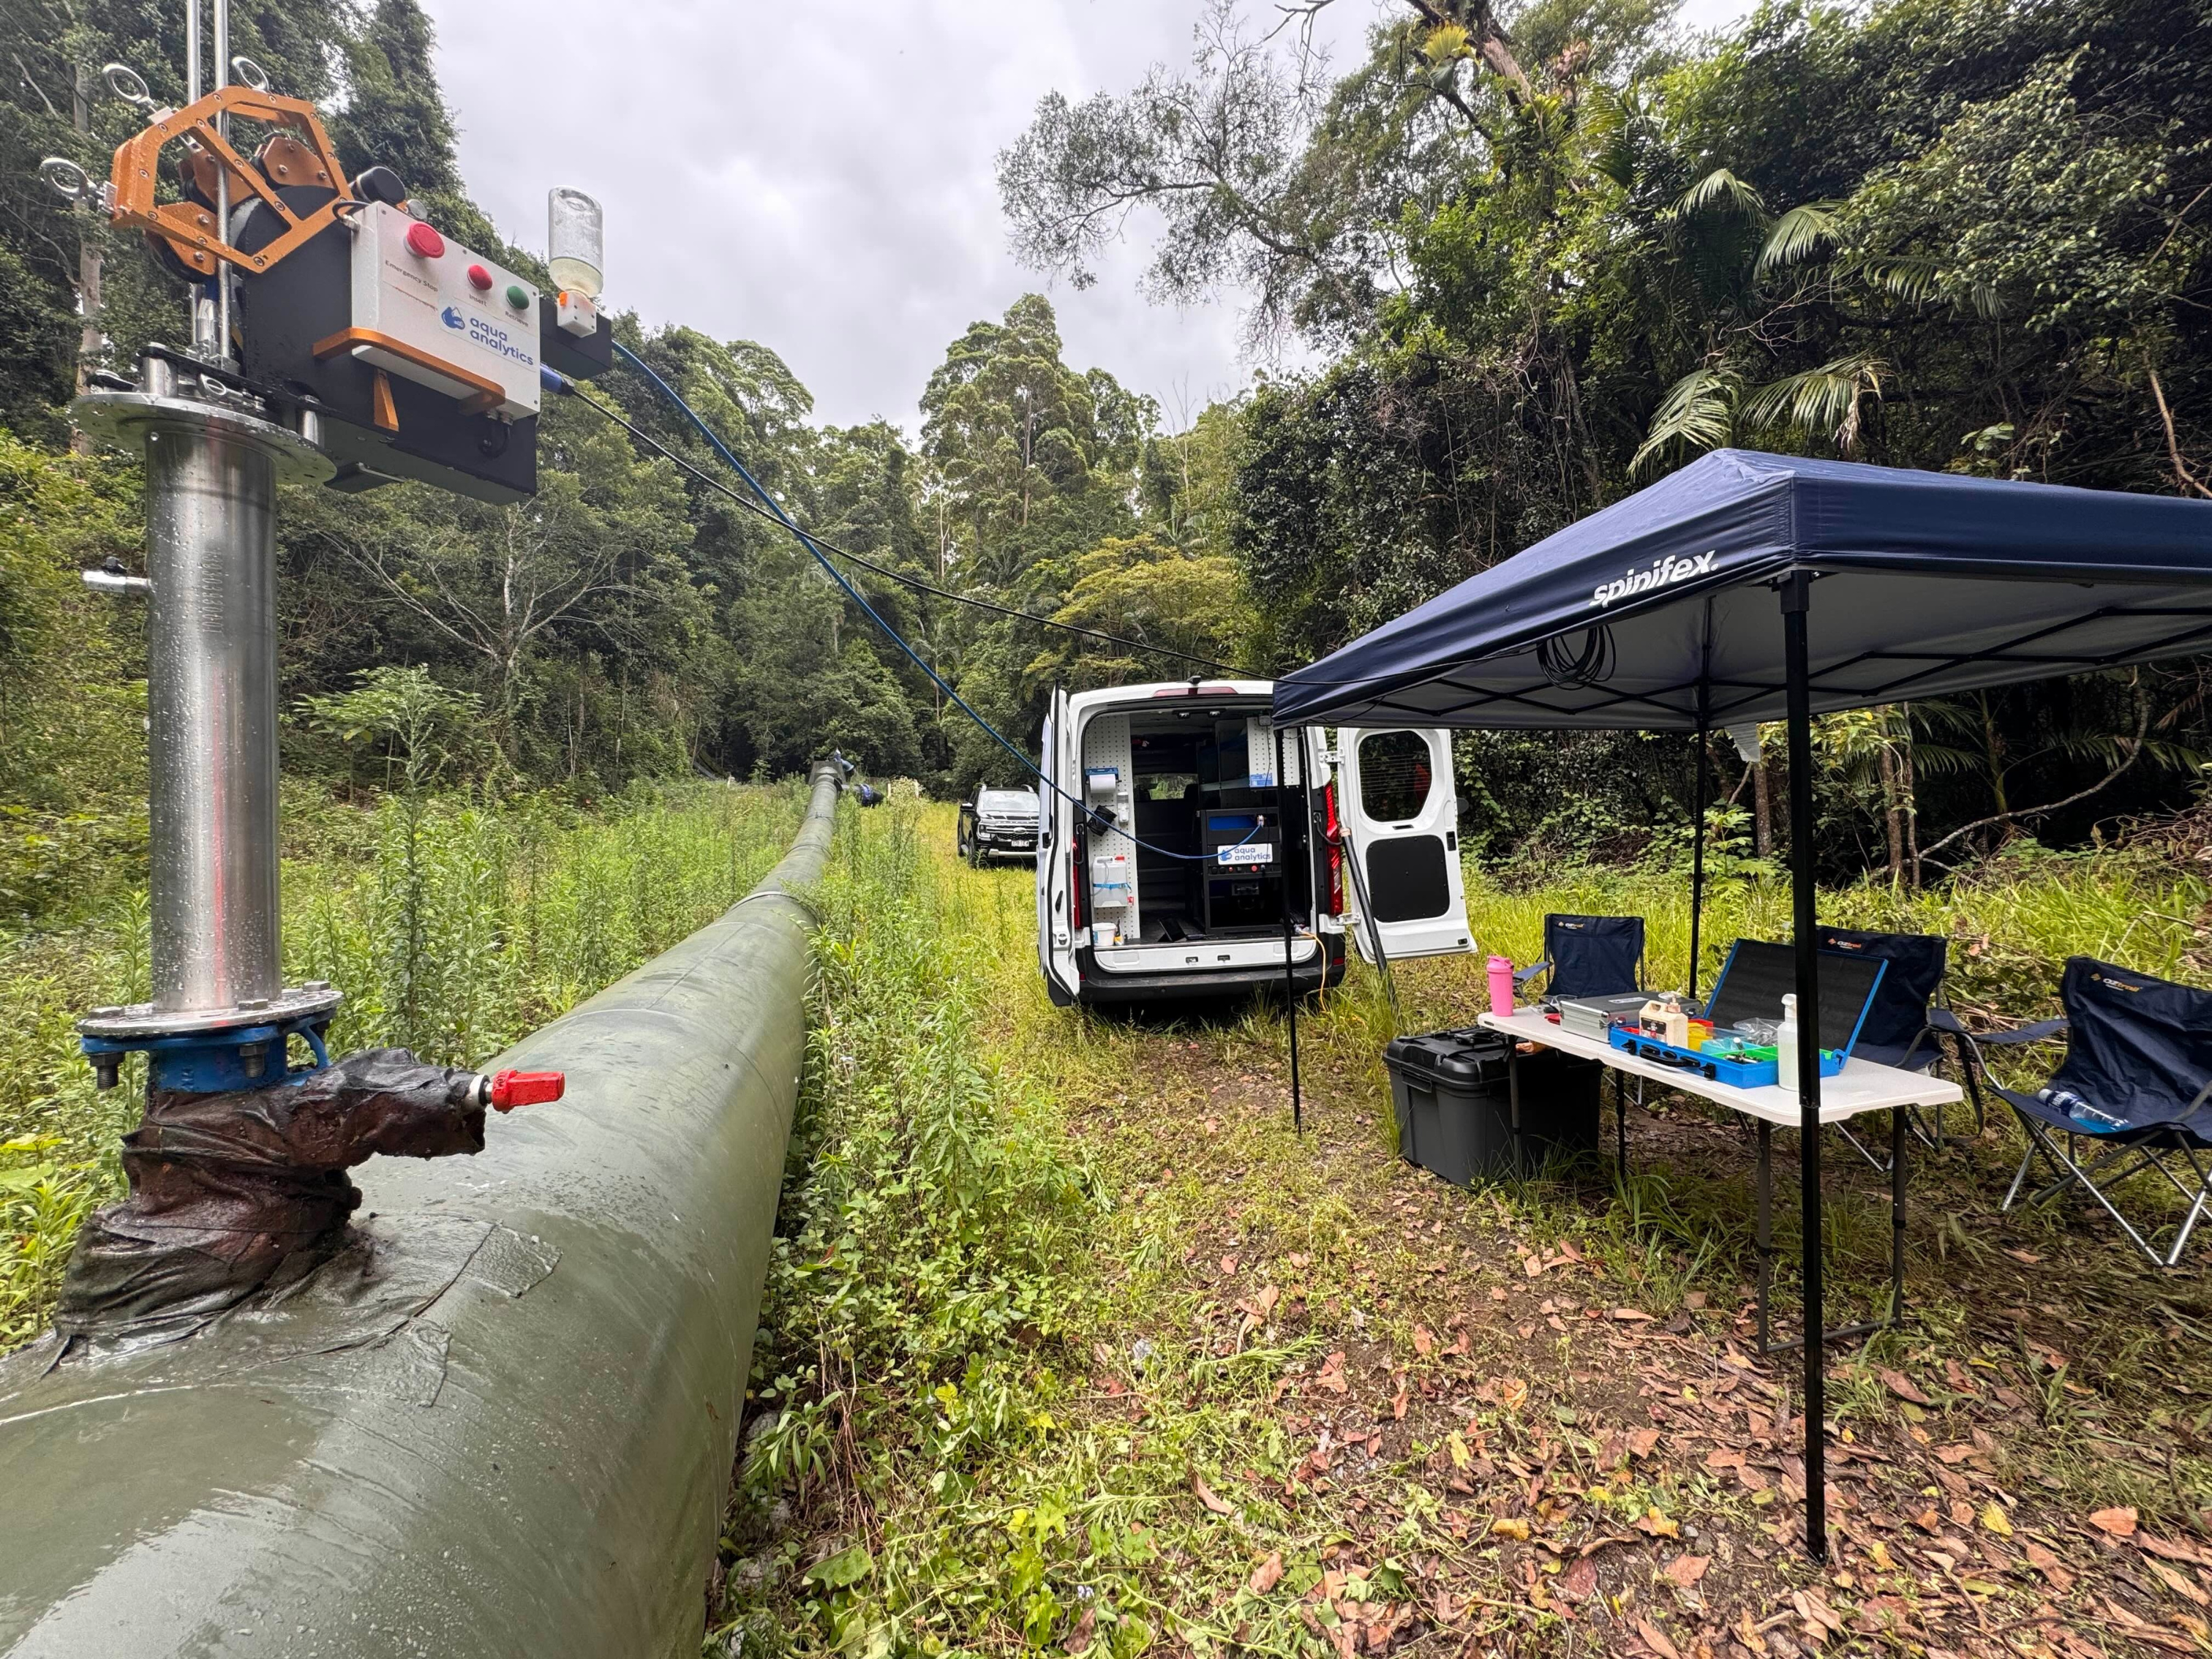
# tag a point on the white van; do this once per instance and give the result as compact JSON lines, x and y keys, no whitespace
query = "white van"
{"x":1170,"y":882}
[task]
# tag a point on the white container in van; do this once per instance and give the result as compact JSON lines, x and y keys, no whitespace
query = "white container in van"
{"x":1168,"y":832}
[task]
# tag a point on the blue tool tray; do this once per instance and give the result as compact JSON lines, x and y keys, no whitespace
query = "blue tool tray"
{"x":1729,"y":1069}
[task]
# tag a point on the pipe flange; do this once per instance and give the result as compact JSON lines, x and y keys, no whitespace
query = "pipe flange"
{"x":143,"y":1021}
{"x":124,"y":418}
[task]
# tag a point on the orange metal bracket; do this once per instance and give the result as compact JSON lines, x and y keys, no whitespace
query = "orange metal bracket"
{"x":484,"y":393}
{"x":190,"y":228}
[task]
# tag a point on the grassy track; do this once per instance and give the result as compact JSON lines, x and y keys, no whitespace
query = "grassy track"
{"x":1072,"y":1344}
{"x":452,"y":929}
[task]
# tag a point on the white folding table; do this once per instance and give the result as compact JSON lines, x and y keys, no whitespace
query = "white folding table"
{"x":1861,"y":1087}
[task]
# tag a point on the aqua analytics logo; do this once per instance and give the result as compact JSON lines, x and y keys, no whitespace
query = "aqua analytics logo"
{"x":452,"y":318}
{"x":1663,"y":573}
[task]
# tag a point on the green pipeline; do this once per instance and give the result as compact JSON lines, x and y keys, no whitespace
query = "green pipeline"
{"x":503,"y":1421}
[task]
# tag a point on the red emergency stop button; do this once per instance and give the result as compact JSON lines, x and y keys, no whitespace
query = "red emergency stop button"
{"x":424,"y":242}
{"x":479,"y":278}
{"x":512,"y":1089}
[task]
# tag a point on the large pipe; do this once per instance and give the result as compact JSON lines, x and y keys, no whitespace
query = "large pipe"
{"x":504,"y":1422}
{"x":211,"y":700}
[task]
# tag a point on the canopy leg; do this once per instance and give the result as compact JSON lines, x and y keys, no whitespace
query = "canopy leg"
{"x":1290,"y":969}
{"x":1697,"y":842}
{"x":1796,"y":595}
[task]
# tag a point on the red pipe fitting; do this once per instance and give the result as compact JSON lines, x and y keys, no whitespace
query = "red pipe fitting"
{"x":505,"y":1091}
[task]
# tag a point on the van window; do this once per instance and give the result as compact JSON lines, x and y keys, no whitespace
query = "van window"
{"x":1168,"y":786}
{"x":1395,"y":775}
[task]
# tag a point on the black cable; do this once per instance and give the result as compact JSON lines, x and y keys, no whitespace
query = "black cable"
{"x":759,"y":511}
{"x":1589,"y":665}
{"x":729,"y":458}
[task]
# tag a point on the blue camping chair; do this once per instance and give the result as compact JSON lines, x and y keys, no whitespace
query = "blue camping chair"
{"x":2136,"y":1081}
{"x":1908,"y":1024}
{"x":1589,"y":957}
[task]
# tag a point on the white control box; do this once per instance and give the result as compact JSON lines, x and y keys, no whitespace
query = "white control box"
{"x":429,"y":310}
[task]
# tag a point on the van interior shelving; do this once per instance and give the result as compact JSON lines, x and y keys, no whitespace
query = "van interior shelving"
{"x":1201,"y":783}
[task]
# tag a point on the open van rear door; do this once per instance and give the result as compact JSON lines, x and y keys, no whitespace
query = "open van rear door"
{"x":1055,"y":866}
{"x":1401,"y":813}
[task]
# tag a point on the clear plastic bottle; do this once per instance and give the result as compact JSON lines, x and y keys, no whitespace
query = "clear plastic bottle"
{"x":575,"y":239}
{"x":1785,"y":1048}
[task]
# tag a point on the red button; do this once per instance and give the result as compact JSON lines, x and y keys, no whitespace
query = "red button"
{"x":424,"y":242}
{"x":479,"y":278}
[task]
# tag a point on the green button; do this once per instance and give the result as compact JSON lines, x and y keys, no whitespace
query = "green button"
{"x":517,"y":295}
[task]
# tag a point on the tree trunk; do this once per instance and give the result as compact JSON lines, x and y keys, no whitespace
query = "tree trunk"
{"x":1892,"y":810}
{"x":1762,"y":815}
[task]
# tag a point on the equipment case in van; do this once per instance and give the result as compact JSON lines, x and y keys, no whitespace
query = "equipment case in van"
{"x":1452,"y":1091}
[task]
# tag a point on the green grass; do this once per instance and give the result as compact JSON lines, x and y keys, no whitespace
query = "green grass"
{"x":453,"y":927}
{"x":1044,"y":1274}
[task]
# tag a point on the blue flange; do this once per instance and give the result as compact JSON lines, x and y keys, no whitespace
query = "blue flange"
{"x":246,"y":1057}
{"x":216,"y":1051}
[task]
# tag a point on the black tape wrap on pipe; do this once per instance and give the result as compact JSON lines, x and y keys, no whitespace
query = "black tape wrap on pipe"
{"x":501,"y":1423}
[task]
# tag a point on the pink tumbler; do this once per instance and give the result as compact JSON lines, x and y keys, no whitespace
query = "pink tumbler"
{"x":1501,"y":985}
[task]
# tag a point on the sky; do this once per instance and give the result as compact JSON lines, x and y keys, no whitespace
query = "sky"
{"x":820,"y":179}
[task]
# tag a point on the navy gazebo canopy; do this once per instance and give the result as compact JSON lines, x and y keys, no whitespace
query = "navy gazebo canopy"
{"x":1929,"y":583}
{"x":1753,"y":588}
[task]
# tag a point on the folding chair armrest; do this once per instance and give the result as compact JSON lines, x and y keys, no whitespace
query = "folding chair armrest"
{"x":2042,"y":1030}
{"x":1523,"y":975}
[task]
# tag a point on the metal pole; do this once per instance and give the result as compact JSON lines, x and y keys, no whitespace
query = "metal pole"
{"x":222,"y":79}
{"x":211,"y":694}
{"x":1697,"y":842}
{"x":1795,"y":598}
{"x":1290,"y":973}
{"x":192,"y":51}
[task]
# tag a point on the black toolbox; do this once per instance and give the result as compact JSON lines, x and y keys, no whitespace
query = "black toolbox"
{"x":1453,"y":1102}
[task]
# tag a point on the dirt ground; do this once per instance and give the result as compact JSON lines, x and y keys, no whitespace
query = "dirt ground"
{"x":1534,"y":1419}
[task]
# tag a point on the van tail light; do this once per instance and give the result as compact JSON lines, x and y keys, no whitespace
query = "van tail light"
{"x":1332,"y":832}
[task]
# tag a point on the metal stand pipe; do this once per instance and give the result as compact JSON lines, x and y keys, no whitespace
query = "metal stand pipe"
{"x":211,"y":694}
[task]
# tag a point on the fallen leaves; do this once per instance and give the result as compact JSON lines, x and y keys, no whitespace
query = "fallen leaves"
{"x":2053,"y":1571}
{"x":1331,"y":1375}
{"x":1267,"y":1575}
{"x":1655,"y":1639}
{"x":1902,"y":1386}
{"x":1686,"y":1570}
{"x":2119,"y":1523}
{"x":1658,"y":1524}
{"x":1207,"y":1496}
{"x":1509,"y":1526}
{"x":1994,"y":1520}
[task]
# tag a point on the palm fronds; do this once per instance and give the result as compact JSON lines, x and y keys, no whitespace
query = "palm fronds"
{"x":1698,"y":412}
{"x":1827,"y":399}
{"x":1719,"y":189}
{"x":1800,"y":233}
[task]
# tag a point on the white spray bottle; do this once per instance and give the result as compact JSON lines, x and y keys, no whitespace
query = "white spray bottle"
{"x":1785,"y":1048}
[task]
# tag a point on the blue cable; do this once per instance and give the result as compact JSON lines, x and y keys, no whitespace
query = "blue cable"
{"x":730,"y":459}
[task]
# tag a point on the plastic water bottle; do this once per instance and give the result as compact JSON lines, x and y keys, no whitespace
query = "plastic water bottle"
{"x":575,"y":235}
{"x":1785,"y":1048}
{"x":1501,"y":987}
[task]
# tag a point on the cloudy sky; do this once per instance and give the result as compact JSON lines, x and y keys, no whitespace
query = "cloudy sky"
{"x":820,"y":177}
